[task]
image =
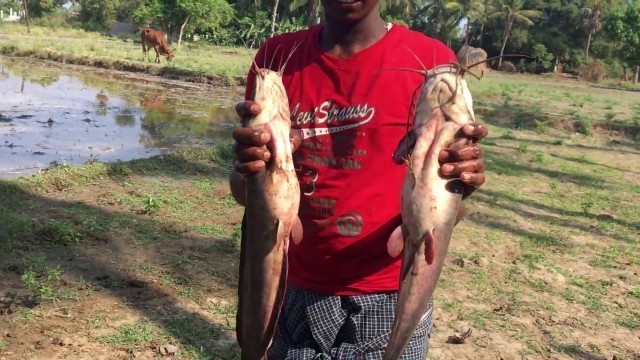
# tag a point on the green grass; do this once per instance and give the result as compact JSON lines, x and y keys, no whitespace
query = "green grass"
{"x":551,"y":236}
{"x":506,"y":98}
{"x":136,"y":334}
{"x":227,"y":62}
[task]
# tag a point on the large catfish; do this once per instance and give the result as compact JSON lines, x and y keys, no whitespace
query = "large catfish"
{"x":271,"y":215}
{"x":429,"y":202}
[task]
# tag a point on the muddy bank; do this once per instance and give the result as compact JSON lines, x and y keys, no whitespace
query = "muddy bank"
{"x":54,"y":114}
{"x":129,"y":66}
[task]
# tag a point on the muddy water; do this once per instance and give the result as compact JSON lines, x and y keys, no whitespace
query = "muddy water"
{"x":54,"y":114}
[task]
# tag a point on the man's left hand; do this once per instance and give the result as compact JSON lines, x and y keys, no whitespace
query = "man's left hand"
{"x":464,"y":159}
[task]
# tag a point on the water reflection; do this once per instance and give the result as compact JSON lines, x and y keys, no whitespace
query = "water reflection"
{"x":52,"y":114}
{"x":3,"y":74}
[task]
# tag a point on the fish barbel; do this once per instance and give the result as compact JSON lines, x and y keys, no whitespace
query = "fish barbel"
{"x":429,"y":202}
{"x":271,"y":215}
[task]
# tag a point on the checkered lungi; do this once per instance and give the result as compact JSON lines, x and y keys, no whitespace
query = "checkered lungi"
{"x":323,"y":327}
{"x":327,"y":327}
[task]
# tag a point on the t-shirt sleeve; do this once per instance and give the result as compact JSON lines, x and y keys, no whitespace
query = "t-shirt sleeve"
{"x":443,"y":53}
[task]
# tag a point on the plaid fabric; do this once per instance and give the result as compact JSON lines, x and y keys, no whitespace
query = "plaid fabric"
{"x":317,"y":326}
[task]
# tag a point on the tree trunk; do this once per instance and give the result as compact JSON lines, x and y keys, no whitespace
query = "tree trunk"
{"x":507,"y":30}
{"x":314,"y":13}
{"x":586,"y":53}
{"x":624,"y":73}
{"x":467,"y":39}
{"x":481,"y":33}
{"x":274,"y":14}
{"x":636,"y":77}
{"x":182,"y":31}
{"x":26,"y":14}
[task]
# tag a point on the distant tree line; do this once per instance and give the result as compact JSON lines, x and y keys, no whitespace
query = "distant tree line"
{"x":562,"y":35}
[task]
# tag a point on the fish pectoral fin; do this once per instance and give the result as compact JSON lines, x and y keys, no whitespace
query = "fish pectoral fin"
{"x":455,"y":186}
{"x":429,"y":247}
{"x":296,"y":231}
{"x":405,"y":147}
{"x":395,"y":244}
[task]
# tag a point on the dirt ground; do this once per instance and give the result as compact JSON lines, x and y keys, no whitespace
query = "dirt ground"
{"x":139,"y":260}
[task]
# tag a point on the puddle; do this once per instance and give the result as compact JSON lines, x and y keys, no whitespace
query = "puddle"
{"x":51,"y":115}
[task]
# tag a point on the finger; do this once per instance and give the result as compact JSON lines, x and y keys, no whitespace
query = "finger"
{"x":247,"y":108}
{"x":253,"y":153}
{"x":459,"y":143}
{"x":250,"y":136}
{"x":474,"y":179}
{"x":249,"y":168}
{"x":475,"y":130}
{"x":466,"y":153}
{"x":456,"y":169}
{"x":296,"y":139}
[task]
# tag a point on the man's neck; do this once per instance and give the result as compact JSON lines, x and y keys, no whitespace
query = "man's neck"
{"x":345,"y":39}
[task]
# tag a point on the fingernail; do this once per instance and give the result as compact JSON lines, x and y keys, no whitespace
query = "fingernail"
{"x":468,"y":128}
{"x":264,"y":137}
{"x":465,"y":177}
{"x":447,"y":168}
{"x":266,"y":156}
{"x":255,"y":107}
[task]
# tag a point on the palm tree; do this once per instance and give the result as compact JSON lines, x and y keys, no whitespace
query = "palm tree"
{"x":512,"y":12}
{"x":26,"y":14}
{"x":403,"y":8}
{"x":274,"y":15}
{"x":471,"y":10}
{"x":312,"y":8}
{"x":591,"y":22}
{"x":436,"y":20}
{"x":488,"y":9}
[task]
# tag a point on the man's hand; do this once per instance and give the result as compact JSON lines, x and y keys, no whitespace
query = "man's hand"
{"x":250,"y":149}
{"x":463,"y":159}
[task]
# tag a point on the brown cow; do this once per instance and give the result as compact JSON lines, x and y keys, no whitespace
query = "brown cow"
{"x":155,"y":39}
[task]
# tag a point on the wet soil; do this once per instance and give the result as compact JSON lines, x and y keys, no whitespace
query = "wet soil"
{"x":52,"y":114}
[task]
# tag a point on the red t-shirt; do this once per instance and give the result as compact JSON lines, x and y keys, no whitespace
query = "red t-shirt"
{"x":353,"y":113}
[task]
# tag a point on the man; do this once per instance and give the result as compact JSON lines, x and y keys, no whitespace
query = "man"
{"x":348,"y":111}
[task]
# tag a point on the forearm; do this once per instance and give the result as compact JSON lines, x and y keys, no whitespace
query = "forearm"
{"x":238,"y":187}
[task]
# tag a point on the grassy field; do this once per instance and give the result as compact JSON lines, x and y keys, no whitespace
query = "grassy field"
{"x":138,"y":257}
{"x":108,"y":261}
{"x":538,"y":102}
{"x":193,"y":62}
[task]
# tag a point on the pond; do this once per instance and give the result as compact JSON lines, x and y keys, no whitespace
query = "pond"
{"x":52,"y":114}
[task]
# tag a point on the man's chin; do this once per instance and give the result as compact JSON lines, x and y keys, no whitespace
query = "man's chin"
{"x":347,"y":10}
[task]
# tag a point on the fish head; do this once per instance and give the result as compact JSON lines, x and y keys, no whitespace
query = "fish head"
{"x":446,"y":88}
{"x":270,"y":93}
{"x":444,"y":97}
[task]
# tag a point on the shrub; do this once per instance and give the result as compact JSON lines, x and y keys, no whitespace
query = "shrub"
{"x":593,"y":72}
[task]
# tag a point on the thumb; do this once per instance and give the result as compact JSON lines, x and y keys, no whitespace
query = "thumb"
{"x":295,"y":135}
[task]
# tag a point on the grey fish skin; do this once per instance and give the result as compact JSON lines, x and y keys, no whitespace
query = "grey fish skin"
{"x":429,"y":203}
{"x":271,"y":215}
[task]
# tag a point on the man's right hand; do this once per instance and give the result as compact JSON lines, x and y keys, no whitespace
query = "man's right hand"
{"x":250,"y":149}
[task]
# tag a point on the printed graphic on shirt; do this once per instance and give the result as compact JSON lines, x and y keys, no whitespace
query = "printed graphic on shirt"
{"x":349,"y":224}
{"x":331,"y":114}
{"x":343,"y":155}
{"x":337,"y":151}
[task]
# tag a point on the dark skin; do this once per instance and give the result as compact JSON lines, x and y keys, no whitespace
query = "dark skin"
{"x":349,"y":29}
